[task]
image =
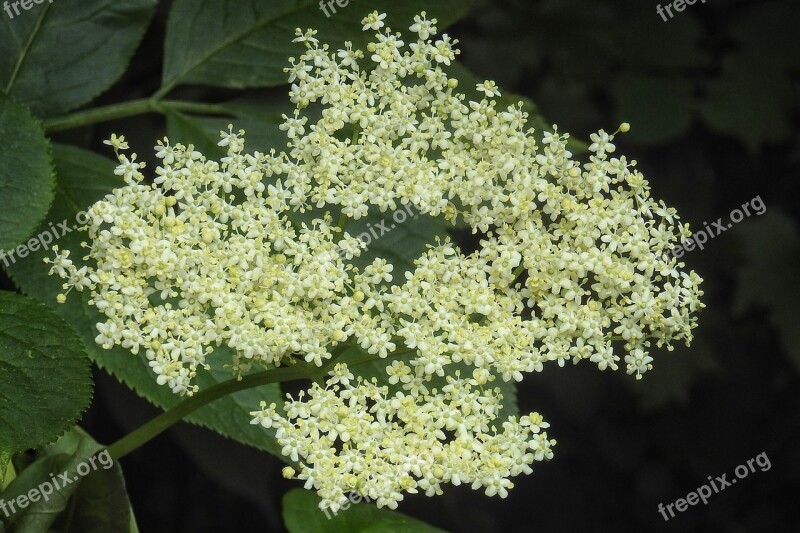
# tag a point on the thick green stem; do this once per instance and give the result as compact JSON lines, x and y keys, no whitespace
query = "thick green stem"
{"x":128,"y":109}
{"x":164,"y":421}
{"x":151,"y":429}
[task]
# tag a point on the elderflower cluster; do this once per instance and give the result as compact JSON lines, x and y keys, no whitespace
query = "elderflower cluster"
{"x":395,"y":443}
{"x":572,"y":266}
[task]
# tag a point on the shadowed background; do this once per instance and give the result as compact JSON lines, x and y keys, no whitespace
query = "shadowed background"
{"x":712,"y":97}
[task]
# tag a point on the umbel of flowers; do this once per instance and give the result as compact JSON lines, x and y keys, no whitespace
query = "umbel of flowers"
{"x":572,"y":265}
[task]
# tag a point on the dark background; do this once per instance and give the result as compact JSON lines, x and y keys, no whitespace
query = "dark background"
{"x":712,"y":96}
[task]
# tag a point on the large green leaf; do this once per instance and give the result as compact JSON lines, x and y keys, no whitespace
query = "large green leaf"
{"x":83,"y":178}
{"x":79,"y":487}
{"x":45,"y":377}
{"x":246,"y":44}
{"x":301,"y":514}
{"x":26,"y":177}
{"x":60,"y":55}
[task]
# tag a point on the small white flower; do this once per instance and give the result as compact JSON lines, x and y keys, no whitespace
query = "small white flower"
{"x":489,"y":88}
{"x":373,"y":21}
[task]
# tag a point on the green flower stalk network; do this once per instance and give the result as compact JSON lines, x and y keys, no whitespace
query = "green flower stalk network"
{"x":572,"y":265}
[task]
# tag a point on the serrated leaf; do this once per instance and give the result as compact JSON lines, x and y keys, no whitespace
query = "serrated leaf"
{"x":60,"y":55}
{"x":83,"y":178}
{"x":64,"y":475}
{"x":301,"y":514}
{"x":45,"y":376}
{"x":26,"y":176}
{"x":238,"y":45}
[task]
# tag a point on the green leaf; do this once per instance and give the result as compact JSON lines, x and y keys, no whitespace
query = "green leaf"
{"x":7,"y":472}
{"x":259,"y":116}
{"x":246,"y":44}
{"x":79,"y":487}
{"x":751,"y":101}
{"x":100,"y":504}
{"x":301,"y":514}
{"x":60,"y":55}
{"x":45,"y":377}
{"x":26,"y":177}
{"x":84,"y":178}
{"x":189,"y":130}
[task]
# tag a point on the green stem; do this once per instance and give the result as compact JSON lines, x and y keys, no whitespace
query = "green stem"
{"x":165,"y":420}
{"x":128,"y":109}
{"x":153,"y":428}
{"x":98,"y":114}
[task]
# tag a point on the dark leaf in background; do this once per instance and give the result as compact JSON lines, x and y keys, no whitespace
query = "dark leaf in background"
{"x":61,"y":54}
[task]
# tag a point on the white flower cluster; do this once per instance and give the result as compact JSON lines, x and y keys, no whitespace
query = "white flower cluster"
{"x":571,"y":266}
{"x":395,"y":443}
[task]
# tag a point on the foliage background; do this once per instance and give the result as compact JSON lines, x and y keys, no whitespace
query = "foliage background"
{"x":713,"y":97}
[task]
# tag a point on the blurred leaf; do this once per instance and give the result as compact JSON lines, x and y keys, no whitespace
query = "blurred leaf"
{"x":45,"y":379}
{"x":238,"y":45}
{"x":26,"y":176}
{"x":673,"y":375}
{"x":659,"y":108}
{"x":769,"y":278}
{"x":84,"y":178}
{"x":750,"y":101}
{"x":60,"y":55}
{"x":54,"y":464}
{"x":301,"y":514}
